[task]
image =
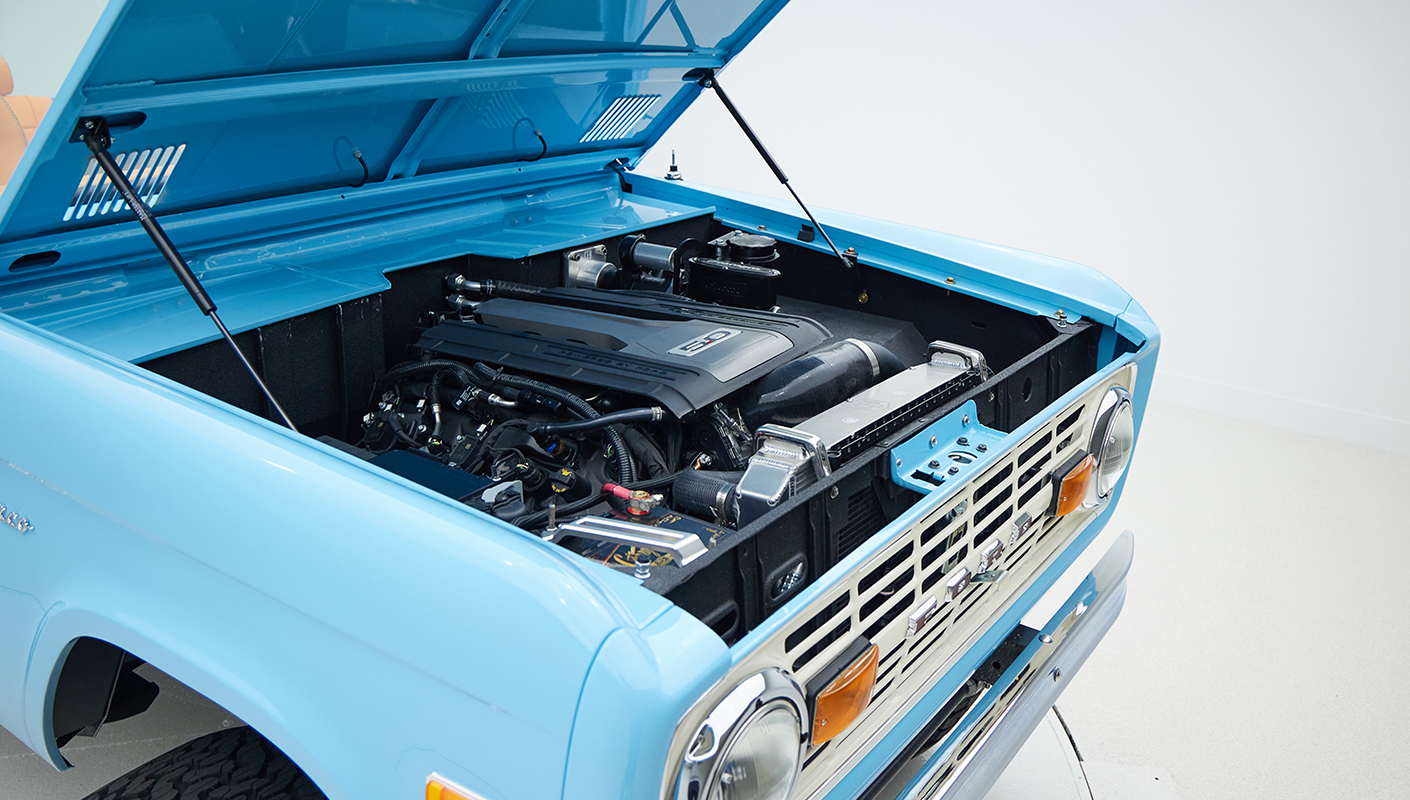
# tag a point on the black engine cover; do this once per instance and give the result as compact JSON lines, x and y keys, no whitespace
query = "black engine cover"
{"x":680,"y":353}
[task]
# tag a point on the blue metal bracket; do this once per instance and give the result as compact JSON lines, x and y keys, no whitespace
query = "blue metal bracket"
{"x":948,"y":451}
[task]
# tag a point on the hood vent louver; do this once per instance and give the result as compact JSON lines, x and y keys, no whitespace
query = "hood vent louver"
{"x":148,"y":170}
{"x":620,"y":118}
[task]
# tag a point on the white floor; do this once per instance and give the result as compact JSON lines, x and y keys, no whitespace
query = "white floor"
{"x":1264,"y":645}
{"x":1261,"y":653}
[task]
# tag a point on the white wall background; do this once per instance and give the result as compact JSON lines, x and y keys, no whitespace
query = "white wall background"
{"x":1243,"y":168}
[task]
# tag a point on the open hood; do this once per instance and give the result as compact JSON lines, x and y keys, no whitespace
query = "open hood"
{"x":214,"y":103}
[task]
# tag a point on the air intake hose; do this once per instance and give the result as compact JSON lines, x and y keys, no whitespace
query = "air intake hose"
{"x":811,"y":384}
{"x":705,"y":494}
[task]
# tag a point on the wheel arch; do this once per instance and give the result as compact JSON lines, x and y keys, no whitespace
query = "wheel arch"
{"x":66,"y":627}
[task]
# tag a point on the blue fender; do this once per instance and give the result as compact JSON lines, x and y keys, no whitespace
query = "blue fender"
{"x":372,"y":629}
{"x":633,"y":698}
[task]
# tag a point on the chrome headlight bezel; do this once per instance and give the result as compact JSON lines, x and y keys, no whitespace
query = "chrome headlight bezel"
{"x":1115,"y":419}
{"x":754,"y":697}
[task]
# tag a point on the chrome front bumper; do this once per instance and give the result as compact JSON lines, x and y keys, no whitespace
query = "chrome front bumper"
{"x":970,"y":759}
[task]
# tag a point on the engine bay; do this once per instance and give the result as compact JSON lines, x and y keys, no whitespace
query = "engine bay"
{"x":621,"y":396}
{"x":709,"y":411}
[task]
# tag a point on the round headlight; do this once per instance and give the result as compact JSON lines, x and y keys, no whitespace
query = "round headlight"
{"x":751,"y":746}
{"x":1113,"y":439}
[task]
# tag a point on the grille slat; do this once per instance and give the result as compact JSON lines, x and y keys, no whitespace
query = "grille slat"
{"x":815,"y":623}
{"x":819,"y":645}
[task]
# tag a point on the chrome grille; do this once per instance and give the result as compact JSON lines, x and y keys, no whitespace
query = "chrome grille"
{"x":880,"y":595}
{"x":877,"y":597}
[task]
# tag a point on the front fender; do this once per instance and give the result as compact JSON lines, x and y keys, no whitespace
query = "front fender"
{"x":640,"y":687}
{"x":373,"y":629}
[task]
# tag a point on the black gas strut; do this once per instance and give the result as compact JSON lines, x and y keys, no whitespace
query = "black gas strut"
{"x":93,"y":131}
{"x":710,"y":81}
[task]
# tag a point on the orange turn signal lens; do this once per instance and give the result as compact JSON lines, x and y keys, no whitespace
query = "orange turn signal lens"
{"x":438,"y":788}
{"x":846,"y":697}
{"x":1072,"y":486}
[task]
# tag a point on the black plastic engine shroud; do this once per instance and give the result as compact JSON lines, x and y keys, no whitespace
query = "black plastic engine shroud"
{"x":678,"y":352}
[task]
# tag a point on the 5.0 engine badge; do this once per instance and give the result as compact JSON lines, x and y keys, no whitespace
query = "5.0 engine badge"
{"x":702,"y":343}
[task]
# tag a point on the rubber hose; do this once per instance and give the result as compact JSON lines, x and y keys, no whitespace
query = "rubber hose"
{"x":626,"y":470}
{"x":652,"y":414}
{"x":706,"y":494}
{"x":433,"y":399}
{"x":532,"y":521}
{"x":538,"y":518}
{"x":406,"y":370}
{"x":509,"y":289}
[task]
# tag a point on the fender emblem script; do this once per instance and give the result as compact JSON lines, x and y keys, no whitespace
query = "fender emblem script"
{"x":14,"y":520}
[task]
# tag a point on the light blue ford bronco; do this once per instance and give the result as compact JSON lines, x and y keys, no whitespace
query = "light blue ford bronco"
{"x":356,"y":381}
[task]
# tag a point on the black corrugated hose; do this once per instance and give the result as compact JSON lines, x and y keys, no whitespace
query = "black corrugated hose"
{"x":626,"y":469}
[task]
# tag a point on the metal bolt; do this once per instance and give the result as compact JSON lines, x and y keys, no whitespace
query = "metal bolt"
{"x":1045,"y":639}
{"x":833,"y":494}
{"x":933,"y":441}
{"x":851,"y":251}
{"x":575,"y":257}
{"x":934,"y":464}
{"x":950,"y":281}
{"x":964,"y":420}
{"x":898,"y":463}
{"x":962,"y":441}
{"x":1061,"y":314}
{"x":983,"y":448}
{"x":1057,"y":673}
{"x":762,"y":228}
{"x":643,"y":565}
{"x":954,"y":470}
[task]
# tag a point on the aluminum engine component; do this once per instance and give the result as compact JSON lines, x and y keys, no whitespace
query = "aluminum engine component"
{"x":791,"y":459}
{"x":787,"y":461}
{"x":588,"y":267}
{"x":859,"y":421}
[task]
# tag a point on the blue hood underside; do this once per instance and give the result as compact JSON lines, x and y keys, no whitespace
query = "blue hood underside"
{"x":214,"y":103}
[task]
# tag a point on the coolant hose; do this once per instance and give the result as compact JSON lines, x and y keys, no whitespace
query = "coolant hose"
{"x":813,"y":383}
{"x":626,"y":469}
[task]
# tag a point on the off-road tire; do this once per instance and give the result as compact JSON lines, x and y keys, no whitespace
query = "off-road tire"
{"x":234,"y":764}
